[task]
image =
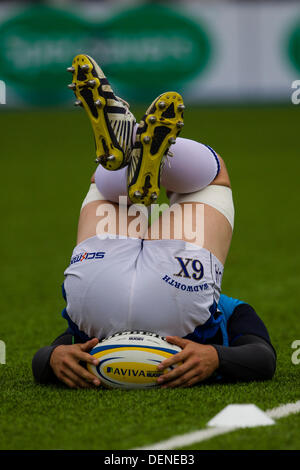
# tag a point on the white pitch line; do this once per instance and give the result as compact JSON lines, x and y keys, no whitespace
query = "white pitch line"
{"x":184,"y":440}
{"x":187,"y":439}
{"x":284,"y":410}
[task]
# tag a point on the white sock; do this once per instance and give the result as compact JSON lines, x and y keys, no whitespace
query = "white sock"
{"x":193,"y":167}
{"x":111,"y":184}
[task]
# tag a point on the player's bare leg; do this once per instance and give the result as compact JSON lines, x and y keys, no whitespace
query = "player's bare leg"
{"x":217,"y":231}
{"x":106,"y":217}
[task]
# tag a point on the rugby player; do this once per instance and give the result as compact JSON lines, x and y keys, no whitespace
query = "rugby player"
{"x":118,"y":282}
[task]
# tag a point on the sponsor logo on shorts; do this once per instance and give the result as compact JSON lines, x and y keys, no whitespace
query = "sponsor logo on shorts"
{"x":184,"y":287}
{"x":87,"y":256}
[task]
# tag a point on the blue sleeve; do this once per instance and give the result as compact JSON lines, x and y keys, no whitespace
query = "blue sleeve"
{"x":245,"y":321}
{"x":227,"y":305}
{"x":241,"y":319}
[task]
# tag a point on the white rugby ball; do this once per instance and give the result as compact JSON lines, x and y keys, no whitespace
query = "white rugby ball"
{"x":130,"y":359}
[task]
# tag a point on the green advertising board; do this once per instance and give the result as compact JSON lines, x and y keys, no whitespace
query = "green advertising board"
{"x":294,"y":46}
{"x":143,"y":50}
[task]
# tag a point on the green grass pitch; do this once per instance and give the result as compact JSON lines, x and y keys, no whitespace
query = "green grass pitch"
{"x":46,"y":162}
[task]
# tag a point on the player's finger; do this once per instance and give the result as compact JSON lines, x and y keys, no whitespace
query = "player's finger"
{"x":67,"y":381}
{"x":194,"y":381}
{"x":182,"y":380}
{"x":174,"y":373}
{"x":189,"y":380}
{"x":73,"y":365}
{"x":82,"y":373}
{"x":83,"y":355}
{"x":177,"y":340}
{"x":86,"y":357}
{"x":178,"y":357}
{"x":89,"y":344}
{"x":80,"y":383}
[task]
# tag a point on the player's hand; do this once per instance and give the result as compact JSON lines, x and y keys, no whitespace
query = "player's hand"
{"x":65,"y":360}
{"x":199,"y":362}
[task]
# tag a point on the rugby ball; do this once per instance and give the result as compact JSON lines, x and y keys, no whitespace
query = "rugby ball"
{"x":129,"y":359}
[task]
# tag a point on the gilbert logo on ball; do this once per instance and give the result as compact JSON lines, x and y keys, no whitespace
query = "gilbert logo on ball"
{"x":129,"y":360}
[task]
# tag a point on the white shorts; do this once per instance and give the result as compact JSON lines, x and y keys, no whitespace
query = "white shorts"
{"x":169,"y":287}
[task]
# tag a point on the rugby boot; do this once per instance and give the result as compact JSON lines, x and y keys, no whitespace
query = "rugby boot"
{"x":156,"y":132}
{"x":111,"y":120}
